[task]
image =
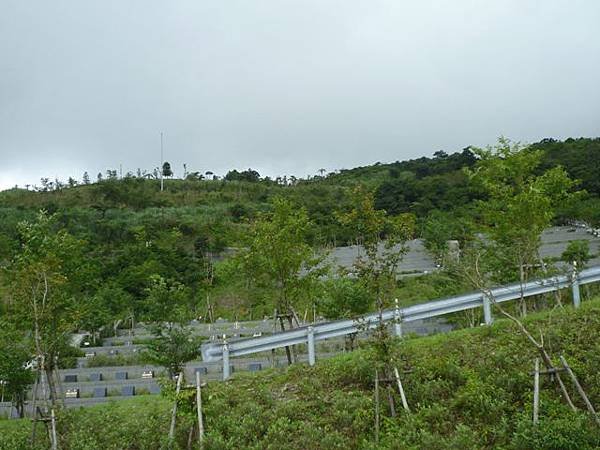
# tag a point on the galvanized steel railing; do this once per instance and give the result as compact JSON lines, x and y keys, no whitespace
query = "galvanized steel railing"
{"x":317,"y":332}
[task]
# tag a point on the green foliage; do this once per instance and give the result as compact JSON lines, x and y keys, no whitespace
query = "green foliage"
{"x":167,"y":301}
{"x":121,"y":359}
{"x":521,"y":205}
{"x":172,"y":347}
{"x":45,"y":280}
{"x":16,"y":352}
{"x":577,"y":252}
{"x":277,"y":253}
{"x":439,"y":227}
{"x":384,"y":242}
{"x":344,"y":298}
{"x":470,"y":389}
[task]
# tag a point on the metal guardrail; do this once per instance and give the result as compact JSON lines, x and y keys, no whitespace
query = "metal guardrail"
{"x":316,"y":332}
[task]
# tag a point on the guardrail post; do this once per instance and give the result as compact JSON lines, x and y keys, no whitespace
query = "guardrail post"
{"x":225,"y":360}
{"x":311,"y":345}
{"x":575,"y":286}
{"x":397,"y":321}
{"x":487,"y":310}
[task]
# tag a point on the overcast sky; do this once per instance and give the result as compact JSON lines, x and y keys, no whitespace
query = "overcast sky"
{"x":285,"y":87}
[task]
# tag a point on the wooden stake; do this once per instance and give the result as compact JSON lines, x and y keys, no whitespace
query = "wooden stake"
{"x":273,"y":357}
{"x":536,"y":391}
{"x":34,"y":408}
{"x":53,"y":443}
{"x":190,"y":437}
{"x":401,"y":389}
{"x":582,"y":393}
{"x":376,"y":407}
{"x":174,"y":412}
{"x":540,"y":347}
{"x":199,"y":408}
{"x":391,"y":401}
{"x":288,"y":350}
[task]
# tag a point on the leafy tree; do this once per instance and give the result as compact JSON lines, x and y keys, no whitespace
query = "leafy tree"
{"x":278,"y":257}
{"x":172,"y":347}
{"x":167,"y":301}
{"x":440,"y":227}
{"x":277,"y":254}
{"x":43,"y":301}
{"x":249,"y":175}
{"x":166,"y":170}
{"x":521,"y":205}
{"x":16,"y":351}
{"x":383,"y":240}
{"x":94,"y":314}
{"x":344,"y":298}
{"x":577,"y":252}
{"x":173,"y":344}
{"x":86,"y":178}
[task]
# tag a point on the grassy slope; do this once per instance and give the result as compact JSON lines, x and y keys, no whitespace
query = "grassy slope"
{"x":468,"y":389}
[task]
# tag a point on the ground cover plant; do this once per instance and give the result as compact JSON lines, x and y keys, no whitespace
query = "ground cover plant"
{"x":469,"y":389}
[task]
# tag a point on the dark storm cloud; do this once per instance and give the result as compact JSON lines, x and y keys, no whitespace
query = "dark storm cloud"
{"x":285,"y":86}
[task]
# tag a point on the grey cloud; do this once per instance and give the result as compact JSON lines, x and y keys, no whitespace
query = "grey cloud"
{"x":285,"y":86}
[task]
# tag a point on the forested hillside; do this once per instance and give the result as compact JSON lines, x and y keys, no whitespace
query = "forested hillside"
{"x":129,"y":230}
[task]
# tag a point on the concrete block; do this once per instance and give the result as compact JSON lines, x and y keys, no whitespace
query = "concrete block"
{"x":128,"y":391}
{"x":100,"y":392}
{"x":96,"y":377}
{"x":254,"y":367}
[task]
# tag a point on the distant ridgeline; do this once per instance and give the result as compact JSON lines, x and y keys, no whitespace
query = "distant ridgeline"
{"x":211,"y":210}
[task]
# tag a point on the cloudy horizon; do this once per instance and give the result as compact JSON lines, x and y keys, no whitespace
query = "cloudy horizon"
{"x":285,"y":87}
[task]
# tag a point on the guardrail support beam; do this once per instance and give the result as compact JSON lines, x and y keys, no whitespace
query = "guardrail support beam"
{"x":487,"y":310}
{"x":225,"y":361}
{"x":397,"y":321}
{"x":311,"y":345}
{"x":575,"y":287}
{"x":576,"y":294}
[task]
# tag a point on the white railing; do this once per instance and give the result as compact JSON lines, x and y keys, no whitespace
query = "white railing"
{"x":436,"y":308}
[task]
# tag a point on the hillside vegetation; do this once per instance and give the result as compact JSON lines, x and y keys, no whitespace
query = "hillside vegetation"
{"x":130,"y":231}
{"x":470,"y":389}
{"x":116,"y":252}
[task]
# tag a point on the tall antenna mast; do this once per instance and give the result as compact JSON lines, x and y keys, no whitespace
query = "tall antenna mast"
{"x":161,"y":162}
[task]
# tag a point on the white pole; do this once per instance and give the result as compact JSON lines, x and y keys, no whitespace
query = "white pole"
{"x":397,"y":319}
{"x":536,"y":391}
{"x":575,"y":287}
{"x":161,"y":162}
{"x":199,"y":410}
{"x":311,"y":346}
{"x":226,"y":371}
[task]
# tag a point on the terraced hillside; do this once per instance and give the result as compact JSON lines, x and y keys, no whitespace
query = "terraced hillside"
{"x":469,"y":389}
